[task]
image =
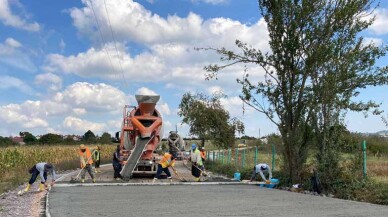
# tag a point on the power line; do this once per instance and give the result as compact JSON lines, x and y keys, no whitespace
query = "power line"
{"x":114,"y":41}
{"x":102,"y":37}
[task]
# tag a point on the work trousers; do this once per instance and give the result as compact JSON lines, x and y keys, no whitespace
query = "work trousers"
{"x":160,"y":170}
{"x":34,"y":174}
{"x":97,"y":163}
{"x":88,"y":168}
{"x":117,"y":169}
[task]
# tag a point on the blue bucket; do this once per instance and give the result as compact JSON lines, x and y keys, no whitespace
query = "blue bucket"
{"x":273,"y":184}
{"x":237,"y":176}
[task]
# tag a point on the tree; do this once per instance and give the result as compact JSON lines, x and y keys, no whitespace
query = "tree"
{"x":105,"y":138}
{"x":28,"y":138}
{"x":89,"y":137}
{"x":208,"y":119}
{"x":5,"y":141}
{"x":317,"y":65}
{"x":51,"y":138}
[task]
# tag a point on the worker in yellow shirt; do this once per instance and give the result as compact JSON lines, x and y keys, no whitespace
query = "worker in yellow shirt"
{"x":168,"y":160}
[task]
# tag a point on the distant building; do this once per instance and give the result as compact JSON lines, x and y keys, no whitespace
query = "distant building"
{"x":18,"y":140}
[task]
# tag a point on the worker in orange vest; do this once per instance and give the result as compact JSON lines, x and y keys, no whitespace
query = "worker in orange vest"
{"x":168,"y":160}
{"x":203,"y":156}
{"x":85,"y":156}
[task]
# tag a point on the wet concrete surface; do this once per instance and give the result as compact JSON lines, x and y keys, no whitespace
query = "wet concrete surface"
{"x":204,"y":201}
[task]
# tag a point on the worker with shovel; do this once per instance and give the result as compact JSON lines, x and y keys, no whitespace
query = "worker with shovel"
{"x":168,"y":160}
{"x":85,"y":156}
{"x":262,"y":168}
{"x":40,"y":169}
{"x":196,"y":162}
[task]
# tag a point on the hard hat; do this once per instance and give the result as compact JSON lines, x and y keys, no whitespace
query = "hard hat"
{"x":82,"y":146}
{"x":193,"y":146}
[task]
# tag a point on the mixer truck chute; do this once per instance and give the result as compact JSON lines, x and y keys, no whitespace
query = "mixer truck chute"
{"x":141,"y":133}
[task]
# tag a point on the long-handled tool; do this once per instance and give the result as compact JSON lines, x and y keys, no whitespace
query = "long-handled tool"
{"x":179,"y":177}
{"x":74,"y":180}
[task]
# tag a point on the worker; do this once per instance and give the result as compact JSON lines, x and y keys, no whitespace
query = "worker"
{"x":96,"y":159}
{"x":262,"y":168}
{"x":117,"y":164}
{"x":41,"y":169}
{"x":168,"y":160}
{"x":85,"y":156}
{"x":196,"y":162}
{"x":203,"y":157}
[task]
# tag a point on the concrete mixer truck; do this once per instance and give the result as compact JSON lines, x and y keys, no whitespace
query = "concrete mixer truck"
{"x":141,"y":133}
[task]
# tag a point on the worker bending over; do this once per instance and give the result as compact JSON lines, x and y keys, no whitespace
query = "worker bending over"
{"x":196,"y":162}
{"x":261,"y":168}
{"x":85,"y":157}
{"x":41,"y":169}
{"x":168,"y":160}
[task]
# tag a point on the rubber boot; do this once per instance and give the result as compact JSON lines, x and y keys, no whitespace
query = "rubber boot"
{"x":198,"y":179}
{"x":41,"y":187}
{"x":95,"y":171}
{"x":94,"y":180}
{"x":82,"y":180}
{"x":27,"y":188}
{"x":153,"y":181}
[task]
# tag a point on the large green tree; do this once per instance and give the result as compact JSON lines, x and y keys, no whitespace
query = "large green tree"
{"x":28,"y":138}
{"x":105,"y":138}
{"x":89,"y":137}
{"x":317,"y":65}
{"x":51,"y":138}
{"x":208,"y":119}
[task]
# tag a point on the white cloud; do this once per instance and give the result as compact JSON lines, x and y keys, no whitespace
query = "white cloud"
{"x":214,"y":89}
{"x":80,"y":126}
{"x":62,"y":45}
{"x":375,"y":41}
{"x":9,"y":19}
{"x":8,"y":82}
{"x":13,"y":54}
{"x":380,"y":25}
{"x":52,"y":81}
{"x":92,"y":97}
{"x":163,"y":108}
{"x":12,"y":43}
{"x":145,"y":91}
{"x":77,"y":99}
{"x":213,"y":2}
{"x":168,"y":55}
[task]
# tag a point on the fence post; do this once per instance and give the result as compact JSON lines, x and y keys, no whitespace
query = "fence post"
{"x":256,"y":152}
{"x":273,"y":157}
{"x":364,"y":158}
{"x":214,"y":155}
{"x":229,"y":155}
{"x":243,"y":159}
{"x":236,"y":160}
{"x":222,"y":157}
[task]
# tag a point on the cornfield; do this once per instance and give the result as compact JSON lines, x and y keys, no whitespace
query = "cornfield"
{"x":16,"y":161}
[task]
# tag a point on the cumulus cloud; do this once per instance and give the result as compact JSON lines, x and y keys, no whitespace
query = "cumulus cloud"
{"x":77,"y":99}
{"x":169,"y":54}
{"x":52,"y":81}
{"x":8,"y":82}
{"x":213,"y":2}
{"x":80,"y":126}
{"x":92,"y":97}
{"x":8,"y":18}
{"x":380,"y":25}
{"x":145,"y":91}
{"x":13,"y":54}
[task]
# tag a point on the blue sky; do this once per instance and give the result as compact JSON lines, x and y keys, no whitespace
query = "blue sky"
{"x":63,"y":71}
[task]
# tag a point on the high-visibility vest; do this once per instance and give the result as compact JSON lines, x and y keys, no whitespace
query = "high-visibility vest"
{"x":86,"y":156}
{"x":166,"y":161}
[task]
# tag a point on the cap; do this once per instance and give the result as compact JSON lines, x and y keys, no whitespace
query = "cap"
{"x":82,"y":146}
{"x":193,"y":146}
{"x":48,"y":166}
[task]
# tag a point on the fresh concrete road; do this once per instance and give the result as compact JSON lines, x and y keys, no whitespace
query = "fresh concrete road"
{"x":199,"y":200}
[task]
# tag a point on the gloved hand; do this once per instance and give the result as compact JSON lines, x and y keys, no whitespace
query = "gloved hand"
{"x":52,"y":183}
{"x":267,"y":182}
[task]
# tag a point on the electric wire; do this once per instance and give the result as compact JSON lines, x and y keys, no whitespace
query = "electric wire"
{"x":114,"y":41}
